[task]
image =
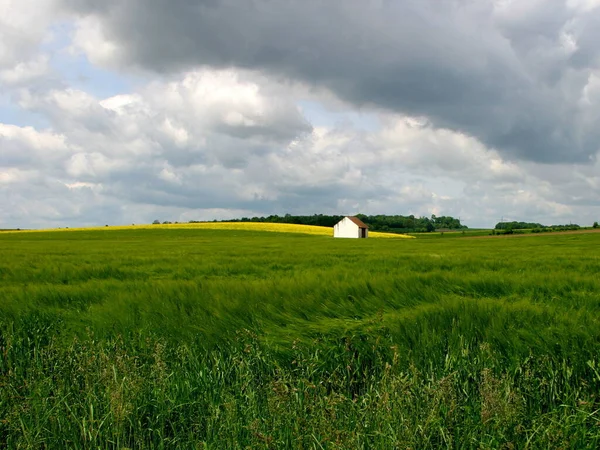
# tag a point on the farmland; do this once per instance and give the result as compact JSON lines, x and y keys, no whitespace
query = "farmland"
{"x":196,"y":337}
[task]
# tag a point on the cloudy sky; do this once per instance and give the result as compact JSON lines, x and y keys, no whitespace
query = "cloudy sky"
{"x":126,"y":111}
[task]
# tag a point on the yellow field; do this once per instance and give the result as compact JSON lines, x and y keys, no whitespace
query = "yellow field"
{"x":252,"y":226}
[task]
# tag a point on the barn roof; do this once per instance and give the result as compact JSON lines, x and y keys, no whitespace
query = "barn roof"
{"x":358,"y":222}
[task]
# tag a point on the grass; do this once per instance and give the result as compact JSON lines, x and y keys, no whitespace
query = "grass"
{"x":453,"y":234}
{"x":216,"y":338}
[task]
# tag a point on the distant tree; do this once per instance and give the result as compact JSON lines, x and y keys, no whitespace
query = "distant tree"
{"x":517,"y":225}
{"x":156,"y":222}
{"x":595,"y":225}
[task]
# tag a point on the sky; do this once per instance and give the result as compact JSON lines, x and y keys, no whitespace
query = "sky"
{"x":120,"y":112}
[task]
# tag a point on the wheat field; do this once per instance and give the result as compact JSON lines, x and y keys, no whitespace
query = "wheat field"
{"x":226,"y":338}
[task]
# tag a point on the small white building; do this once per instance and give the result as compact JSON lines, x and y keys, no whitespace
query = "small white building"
{"x":350,"y":227}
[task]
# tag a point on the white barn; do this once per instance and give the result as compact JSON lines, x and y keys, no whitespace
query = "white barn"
{"x":350,"y":227}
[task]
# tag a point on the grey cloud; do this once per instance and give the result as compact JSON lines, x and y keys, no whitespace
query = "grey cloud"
{"x":499,"y":76}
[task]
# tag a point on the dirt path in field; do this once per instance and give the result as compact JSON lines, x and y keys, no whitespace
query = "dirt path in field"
{"x":550,"y":233}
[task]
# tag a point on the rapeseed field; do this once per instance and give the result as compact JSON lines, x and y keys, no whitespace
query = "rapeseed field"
{"x":226,"y":338}
{"x":247,"y":226}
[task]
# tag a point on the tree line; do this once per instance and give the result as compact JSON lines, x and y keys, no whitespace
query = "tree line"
{"x":380,"y":222}
{"x":535,"y":227}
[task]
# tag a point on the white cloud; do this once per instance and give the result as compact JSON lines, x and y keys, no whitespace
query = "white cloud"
{"x":166,"y":150}
{"x":583,"y":5}
{"x":13,"y":175}
{"x":90,"y":39}
{"x":32,"y":138}
{"x":25,"y":72}
{"x":23,"y":26}
{"x":25,"y":147}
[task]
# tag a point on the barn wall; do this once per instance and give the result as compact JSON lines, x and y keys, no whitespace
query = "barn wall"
{"x":346,"y":229}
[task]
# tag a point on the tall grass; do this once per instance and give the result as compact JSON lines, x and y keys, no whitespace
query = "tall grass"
{"x":227,"y":339}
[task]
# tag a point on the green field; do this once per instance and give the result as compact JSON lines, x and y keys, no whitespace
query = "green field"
{"x":197,"y":338}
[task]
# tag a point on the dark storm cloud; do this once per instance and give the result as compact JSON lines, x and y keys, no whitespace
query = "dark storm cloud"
{"x":501,"y":75}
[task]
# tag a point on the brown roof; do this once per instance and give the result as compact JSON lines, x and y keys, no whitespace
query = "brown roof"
{"x":358,"y":222}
